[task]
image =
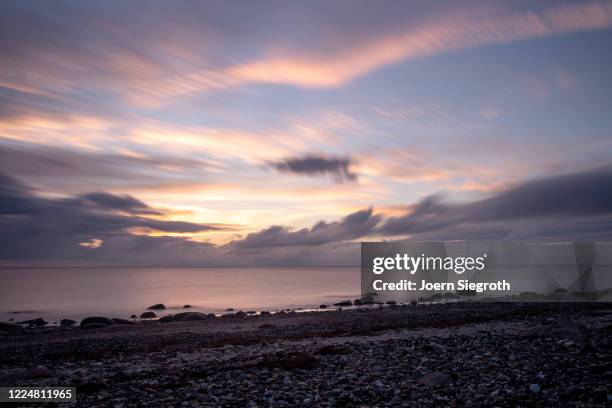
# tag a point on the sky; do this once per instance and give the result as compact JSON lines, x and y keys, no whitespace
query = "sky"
{"x":217,"y":133}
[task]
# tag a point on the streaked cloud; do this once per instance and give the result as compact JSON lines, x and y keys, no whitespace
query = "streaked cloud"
{"x":351,"y":227}
{"x":173,"y":132}
{"x":575,"y":195}
{"x":567,"y":206}
{"x":360,"y":59}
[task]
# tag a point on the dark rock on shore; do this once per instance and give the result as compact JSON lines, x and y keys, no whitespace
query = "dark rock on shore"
{"x":187,"y":307}
{"x":563,"y":330}
{"x":167,"y":319}
{"x":364,"y":300}
{"x":332,"y":350}
{"x":38,"y":322}
{"x":148,"y":315}
{"x":67,"y":322}
{"x":296,"y":361}
{"x":123,"y":321}
{"x":436,"y":379}
{"x":229,"y":309}
{"x":158,"y":306}
{"x":89,"y":326}
{"x":190,"y":316}
{"x":90,"y":388}
{"x":96,"y":320}
{"x":10,"y":328}
{"x":344,"y":303}
{"x":322,"y":306}
{"x":25,"y":374}
{"x":264,"y":313}
{"x":133,"y":316}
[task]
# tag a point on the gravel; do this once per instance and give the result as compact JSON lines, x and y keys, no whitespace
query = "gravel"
{"x":494,"y":355}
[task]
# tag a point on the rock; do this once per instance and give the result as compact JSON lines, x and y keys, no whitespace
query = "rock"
{"x":240,"y":314}
{"x":190,"y":316}
{"x":39,"y":322}
{"x":158,"y":306}
{"x":94,"y":326}
{"x":344,"y":303}
{"x":367,"y":300}
{"x":535,"y":388}
{"x":436,"y":379}
{"x":90,"y":388}
{"x":322,"y":306}
{"x":122,"y":321}
{"x":148,"y":315}
{"x":167,"y":319}
{"x":265,"y":313}
{"x":332,"y":349}
{"x":133,"y":316}
{"x":357,"y":302}
{"x":297,"y":361}
{"x":98,"y":320}
{"x":229,"y":309}
{"x":187,"y":307}
{"x":26,"y":374}
{"x":391,"y":302}
{"x":67,"y":323}
{"x":557,"y":331}
{"x":413,"y":302}
{"x":10,"y":328}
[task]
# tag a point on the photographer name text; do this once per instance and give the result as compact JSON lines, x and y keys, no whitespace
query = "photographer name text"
{"x":464,"y":284}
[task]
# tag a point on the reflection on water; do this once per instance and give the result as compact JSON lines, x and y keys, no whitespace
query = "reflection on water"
{"x":75,"y":292}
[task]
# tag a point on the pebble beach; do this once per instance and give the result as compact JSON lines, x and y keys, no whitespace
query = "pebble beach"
{"x":461,"y":354}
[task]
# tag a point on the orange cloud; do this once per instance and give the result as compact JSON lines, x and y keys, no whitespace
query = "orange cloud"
{"x":347,"y":64}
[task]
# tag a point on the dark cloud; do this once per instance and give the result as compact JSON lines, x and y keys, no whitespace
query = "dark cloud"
{"x":353,"y":226}
{"x":74,"y":171}
{"x":33,"y":227}
{"x":569,"y":207}
{"x":532,"y":209}
{"x":124,"y":203}
{"x":337,"y":167}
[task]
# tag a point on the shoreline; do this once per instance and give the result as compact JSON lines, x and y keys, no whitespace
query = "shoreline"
{"x":309,"y":358}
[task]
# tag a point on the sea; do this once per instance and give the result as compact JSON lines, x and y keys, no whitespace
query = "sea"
{"x":74,"y":293}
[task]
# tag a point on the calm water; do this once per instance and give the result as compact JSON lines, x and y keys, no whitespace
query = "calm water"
{"x":119,"y":292}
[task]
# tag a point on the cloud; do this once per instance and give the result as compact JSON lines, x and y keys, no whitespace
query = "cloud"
{"x":133,"y":63}
{"x":74,"y":171}
{"x":355,"y":60}
{"x":338,"y":168}
{"x":577,"y":197}
{"x":353,"y":226}
{"x":36,"y":227}
{"x":125,"y":202}
{"x":97,"y":227}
